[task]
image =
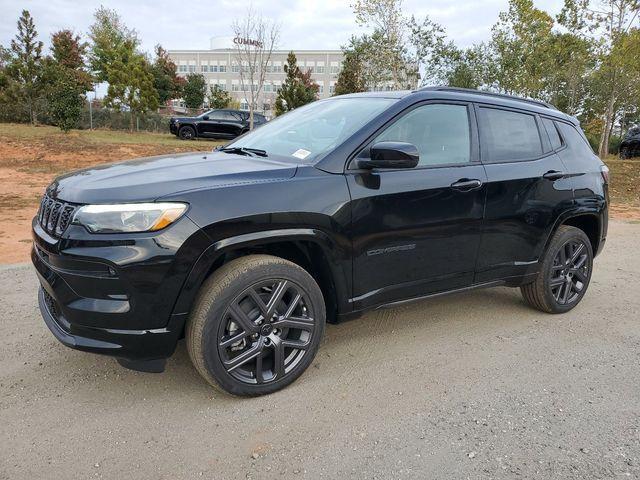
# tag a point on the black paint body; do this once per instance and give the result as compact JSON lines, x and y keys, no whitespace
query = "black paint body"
{"x":369,"y":237}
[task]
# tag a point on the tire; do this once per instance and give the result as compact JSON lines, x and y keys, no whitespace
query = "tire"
{"x":186,"y":133}
{"x":625,"y":153}
{"x":236,"y":327}
{"x":560,"y":286}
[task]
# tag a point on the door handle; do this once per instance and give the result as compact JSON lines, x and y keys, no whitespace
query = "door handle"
{"x":466,"y":184}
{"x":553,"y":175}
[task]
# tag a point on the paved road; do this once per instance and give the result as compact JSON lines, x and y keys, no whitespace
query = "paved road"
{"x":475,"y":385}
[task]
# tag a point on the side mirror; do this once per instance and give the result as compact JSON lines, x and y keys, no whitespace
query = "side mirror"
{"x":391,"y":155}
{"x":206,"y":117}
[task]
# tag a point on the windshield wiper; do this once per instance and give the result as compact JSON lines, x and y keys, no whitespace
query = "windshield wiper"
{"x":252,"y":152}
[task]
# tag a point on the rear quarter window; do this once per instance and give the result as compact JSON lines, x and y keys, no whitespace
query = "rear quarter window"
{"x":508,"y":136}
{"x":575,"y":142}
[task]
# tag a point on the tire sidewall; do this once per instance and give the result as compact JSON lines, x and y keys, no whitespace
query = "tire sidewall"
{"x":559,"y":242}
{"x":212,"y":360}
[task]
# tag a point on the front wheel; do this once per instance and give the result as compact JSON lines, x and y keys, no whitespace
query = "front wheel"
{"x":256,"y":325}
{"x":186,"y":133}
{"x":565,"y":272}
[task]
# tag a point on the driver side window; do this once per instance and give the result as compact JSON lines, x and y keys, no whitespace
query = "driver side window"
{"x":439,"y":131}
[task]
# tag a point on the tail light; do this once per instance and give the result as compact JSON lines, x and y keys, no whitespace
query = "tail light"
{"x":604,"y":171}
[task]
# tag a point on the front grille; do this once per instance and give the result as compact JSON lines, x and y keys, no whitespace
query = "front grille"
{"x":55,"y":216}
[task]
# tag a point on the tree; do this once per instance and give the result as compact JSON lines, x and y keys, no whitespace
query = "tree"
{"x":130,"y":83}
{"x":256,"y":38}
{"x":165,"y":79}
{"x":399,"y":48}
{"x":67,"y":79}
{"x":108,"y":35}
{"x":65,"y":98}
{"x":612,"y":21}
{"x":520,"y":41}
{"x":26,"y":64}
{"x":298,"y":89}
{"x":194,"y":90}
{"x":219,"y":98}
{"x":351,"y":77}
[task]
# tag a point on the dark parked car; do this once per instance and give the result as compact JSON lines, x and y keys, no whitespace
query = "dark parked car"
{"x":630,"y":146}
{"x":223,"y":123}
{"x":344,"y":205}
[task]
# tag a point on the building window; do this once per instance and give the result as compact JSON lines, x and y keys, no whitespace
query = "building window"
{"x":277,"y":69}
{"x":204,"y":68}
{"x":319,"y":69}
{"x":332,"y":89}
{"x":222,"y":68}
{"x":214,"y":68}
{"x":235,"y":87}
{"x":320,"y":88}
{"x":335,"y":70}
{"x":235,"y":68}
{"x":192,"y":68}
{"x":182,"y":68}
{"x":244,"y":106}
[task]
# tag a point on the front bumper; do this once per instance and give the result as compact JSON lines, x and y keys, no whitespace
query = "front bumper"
{"x":115,"y":294}
{"x":133,"y":345}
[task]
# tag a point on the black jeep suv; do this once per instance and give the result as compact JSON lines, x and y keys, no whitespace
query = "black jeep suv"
{"x":344,"y":205}
{"x":630,"y":146}
{"x":214,"y":124}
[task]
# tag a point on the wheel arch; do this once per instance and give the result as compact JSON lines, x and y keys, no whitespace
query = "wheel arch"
{"x":590,"y":222}
{"x":311,"y":249}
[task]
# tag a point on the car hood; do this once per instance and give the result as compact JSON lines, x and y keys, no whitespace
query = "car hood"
{"x":147,"y":179}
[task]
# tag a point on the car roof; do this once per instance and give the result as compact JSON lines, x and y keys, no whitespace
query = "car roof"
{"x":478,"y":96}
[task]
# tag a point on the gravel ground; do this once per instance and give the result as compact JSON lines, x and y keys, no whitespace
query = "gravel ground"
{"x":474,"y":385}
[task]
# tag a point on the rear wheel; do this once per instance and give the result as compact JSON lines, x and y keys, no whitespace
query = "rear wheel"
{"x":256,"y":326}
{"x":186,"y":133}
{"x":565,"y":272}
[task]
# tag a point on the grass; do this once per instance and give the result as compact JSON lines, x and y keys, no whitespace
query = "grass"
{"x":625,"y":181}
{"x":95,"y":137}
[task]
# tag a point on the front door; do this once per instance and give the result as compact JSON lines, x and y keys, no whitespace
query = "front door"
{"x":417,"y":231}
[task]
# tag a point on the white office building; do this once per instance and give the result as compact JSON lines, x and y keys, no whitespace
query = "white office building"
{"x":220,"y":67}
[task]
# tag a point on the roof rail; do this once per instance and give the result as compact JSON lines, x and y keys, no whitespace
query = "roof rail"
{"x":489,"y":94}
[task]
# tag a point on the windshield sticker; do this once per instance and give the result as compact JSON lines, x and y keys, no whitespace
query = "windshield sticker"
{"x":301,"y":153}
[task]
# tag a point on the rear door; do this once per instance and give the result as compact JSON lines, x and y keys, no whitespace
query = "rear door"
{"x":528,"y":187}
{"x":417,"y":231}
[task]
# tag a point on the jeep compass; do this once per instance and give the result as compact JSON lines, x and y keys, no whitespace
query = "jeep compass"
{"x":344,"y":205}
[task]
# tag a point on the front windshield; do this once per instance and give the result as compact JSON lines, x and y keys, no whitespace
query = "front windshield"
{"x":308,"y":132}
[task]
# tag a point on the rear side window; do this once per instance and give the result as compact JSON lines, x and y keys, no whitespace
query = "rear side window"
{"x":552,"y":131}
{"x":576,"y":143}
{"x":439,"y":131}
{"x":508,"y":136}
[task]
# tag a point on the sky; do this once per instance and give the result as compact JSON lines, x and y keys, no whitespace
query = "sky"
{"x":305,"y":24}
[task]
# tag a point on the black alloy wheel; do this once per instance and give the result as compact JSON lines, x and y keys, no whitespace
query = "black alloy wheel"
{"x":565,"y":272}
{"x":266,"y":331}
{"x":186,"y":133}
{"x":570,"y":272}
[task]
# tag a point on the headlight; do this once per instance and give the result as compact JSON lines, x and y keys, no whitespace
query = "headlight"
{"x":128,"y":217}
